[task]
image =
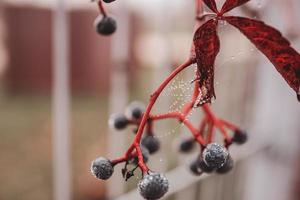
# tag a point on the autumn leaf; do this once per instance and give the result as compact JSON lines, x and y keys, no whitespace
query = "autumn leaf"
{"x":212,"y":5}
{"x":231,"y":4}
{"x":273,"y":45}
{"x":207,"y":46}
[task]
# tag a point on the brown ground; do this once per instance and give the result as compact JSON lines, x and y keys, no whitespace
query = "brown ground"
{"x":25,"y":146}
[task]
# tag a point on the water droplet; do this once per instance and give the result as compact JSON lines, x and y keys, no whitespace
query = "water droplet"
{"x":240,"y":53}
{"x":259,"y":5}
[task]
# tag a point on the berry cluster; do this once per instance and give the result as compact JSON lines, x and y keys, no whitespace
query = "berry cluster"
{"x":212,"y":157}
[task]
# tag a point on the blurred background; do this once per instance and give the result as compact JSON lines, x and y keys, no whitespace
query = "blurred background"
{"x":60,"y":81}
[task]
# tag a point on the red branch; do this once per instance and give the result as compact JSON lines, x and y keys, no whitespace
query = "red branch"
{"x":209,"y":120}
{"x":101,"y":8}
{"x":153,"y":98}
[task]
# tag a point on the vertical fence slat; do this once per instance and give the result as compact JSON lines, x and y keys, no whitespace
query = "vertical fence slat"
{"x":60,"y":104}
{"x":119,"y":93}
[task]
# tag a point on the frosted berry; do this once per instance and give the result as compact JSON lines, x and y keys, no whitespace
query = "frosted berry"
{"x":106,"y":25}
{"x":145,"y":153}
{"x":215,"y":155}
{"x":226,"y":167}
{"x":135,"y":110}
{"x":198,"y":166}
{"x":118,"y":122}
{"x":102,"y":168}
{"x":108,"y":1}
{"x":151,"y":143}
{"x":187,"y":145}
{"x":240,"y":137}
{"x":153,"y":186}
{"x":204,"y":167}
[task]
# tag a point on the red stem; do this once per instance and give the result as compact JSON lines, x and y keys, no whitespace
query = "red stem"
{"x":101,"y":8}
{"x":177,"y":115}
{"x":216,"y":121}
{"x":195,"y":133}
{"x":199,"y":8}
{"x":188,"y":107}
{"x":149,"y":127}
{"x":123,"y":159}
{"x":202,"y":126}
{"x":230,"y":125}
{"x":210,"y":132}
{"x":153,"y":98}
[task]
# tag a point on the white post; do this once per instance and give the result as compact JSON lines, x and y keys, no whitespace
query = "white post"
{"x":60,"y":104}
{"x":118,"y":94}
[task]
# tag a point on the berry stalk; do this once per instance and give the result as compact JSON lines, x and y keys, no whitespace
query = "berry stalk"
{"x":153,"y":98}
{"x":101,"y":8}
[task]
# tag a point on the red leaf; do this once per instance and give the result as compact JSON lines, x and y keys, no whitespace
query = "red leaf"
{"x":212,"y":5}
{"x":207,"y":46}
{"x":271,"y":43}
{"x":231,"y":4}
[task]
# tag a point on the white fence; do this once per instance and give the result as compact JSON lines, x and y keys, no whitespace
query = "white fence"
{"x":266,"y":107}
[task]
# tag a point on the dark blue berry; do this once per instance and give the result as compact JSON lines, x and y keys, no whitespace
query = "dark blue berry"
{"x":215,"y":155}
{"x":153,"y":186}
{"x":118,"y":122}
{"x":240,"y":137}
{"x":108,"y":1}
{"x":227,"y":167}
{"x":135,"y":110}
{"x":106,"y":26}
{"x":194,"y":167}
{"x":102,"y":168}
{"x":198,"y":166}
{"x":137,"y":113}
{"x":204,"y":167}
{"x":187,"y":145}
{"x":151,"y":143}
